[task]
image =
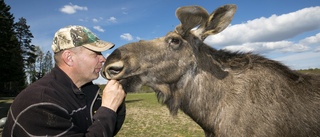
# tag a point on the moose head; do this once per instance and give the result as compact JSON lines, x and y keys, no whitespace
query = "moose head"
{"x":166,"y":60}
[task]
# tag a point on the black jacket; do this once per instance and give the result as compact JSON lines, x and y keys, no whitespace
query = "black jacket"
{"x":54,"y":106}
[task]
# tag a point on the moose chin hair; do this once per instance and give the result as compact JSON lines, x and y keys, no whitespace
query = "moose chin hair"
{"x":130,"y":84}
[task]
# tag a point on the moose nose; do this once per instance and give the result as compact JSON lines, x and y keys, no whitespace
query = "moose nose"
{"x":113,"y":71}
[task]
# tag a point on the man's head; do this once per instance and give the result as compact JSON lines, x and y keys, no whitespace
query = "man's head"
{"x":78,"y":53}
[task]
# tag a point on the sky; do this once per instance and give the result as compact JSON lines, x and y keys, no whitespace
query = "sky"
{"x":283,"y":30}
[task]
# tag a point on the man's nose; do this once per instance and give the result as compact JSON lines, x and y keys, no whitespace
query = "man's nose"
{"x":102,"y":59}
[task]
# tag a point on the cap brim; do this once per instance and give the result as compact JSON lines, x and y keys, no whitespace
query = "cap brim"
{"x":99,"y":46}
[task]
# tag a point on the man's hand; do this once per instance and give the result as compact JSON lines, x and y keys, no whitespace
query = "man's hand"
{"x":113,"y":95}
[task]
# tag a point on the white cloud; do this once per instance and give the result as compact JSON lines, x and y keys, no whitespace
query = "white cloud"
{"x":83,"y":20}
{"x":95,"y":20}
{"x":112,"y":19}
{"x":265,"y":47}
{"x":279,"y":46}
{"x":274,"y":28}
{"x":311,"y":40}
{"x":301,"y":60}
{"x":98,"y":28}
{"x":317,"y":49}
{"x":71,"y":9}
{"x":127,"y":36}
{"x":124,"y":11}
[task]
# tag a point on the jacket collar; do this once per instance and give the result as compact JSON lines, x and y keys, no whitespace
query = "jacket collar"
{"x":65,"y":80}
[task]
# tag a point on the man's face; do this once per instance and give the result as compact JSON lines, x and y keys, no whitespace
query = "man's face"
{"x":89,"y":64}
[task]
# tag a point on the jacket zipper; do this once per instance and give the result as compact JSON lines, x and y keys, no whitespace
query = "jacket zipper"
{"x":92,"y":103}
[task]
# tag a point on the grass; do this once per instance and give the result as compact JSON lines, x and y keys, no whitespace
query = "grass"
{"x":311,"y":71}
{"x":6,"y":99}
{"x":146,"y":117}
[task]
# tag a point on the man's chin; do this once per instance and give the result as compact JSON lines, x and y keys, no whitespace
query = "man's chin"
{"x":96,"y":76}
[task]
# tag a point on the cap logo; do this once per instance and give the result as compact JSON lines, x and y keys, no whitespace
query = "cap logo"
{"x":91,"y":36}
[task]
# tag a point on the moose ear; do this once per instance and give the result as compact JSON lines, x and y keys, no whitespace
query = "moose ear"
{"x":219,"y":20}
{"x":190,"y":17}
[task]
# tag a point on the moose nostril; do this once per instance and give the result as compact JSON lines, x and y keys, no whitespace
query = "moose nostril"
{"x":114,"y":70}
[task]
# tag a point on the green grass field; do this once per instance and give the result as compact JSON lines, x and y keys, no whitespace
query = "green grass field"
{"x":146,"y":117}
{"x":310,"y":71}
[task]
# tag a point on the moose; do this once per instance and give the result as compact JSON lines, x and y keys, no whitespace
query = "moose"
{"x":226,"y":93}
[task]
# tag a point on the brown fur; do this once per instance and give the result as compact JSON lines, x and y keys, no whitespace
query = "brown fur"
{"x":227,"y":94}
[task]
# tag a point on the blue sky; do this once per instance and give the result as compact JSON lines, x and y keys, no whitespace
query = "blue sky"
{"x":283,"y":30}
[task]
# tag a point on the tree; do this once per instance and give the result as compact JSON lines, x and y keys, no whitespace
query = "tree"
{"x":31,"y":68}
{"x":24,"y":37}
{"x":12,"y":79}
{"x":17,"y":55}
{"x":48,"y":65}
{"x":29,"y":52}
{"x":42,"y":66}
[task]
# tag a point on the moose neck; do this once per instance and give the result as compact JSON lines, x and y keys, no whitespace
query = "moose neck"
{"x":201,"y":88}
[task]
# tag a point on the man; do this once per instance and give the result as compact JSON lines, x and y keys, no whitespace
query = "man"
{"x":65,"y":102}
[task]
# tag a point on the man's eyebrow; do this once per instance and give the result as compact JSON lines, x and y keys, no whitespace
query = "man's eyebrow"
{"x":97,"y":52}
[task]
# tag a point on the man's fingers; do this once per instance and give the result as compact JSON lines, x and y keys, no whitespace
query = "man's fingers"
{"x":112,"y":82}
{"x":120,"y":86}
{"x":113,"y":95}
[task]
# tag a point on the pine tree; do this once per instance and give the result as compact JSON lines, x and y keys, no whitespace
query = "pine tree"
{"x":24,"y":37}
{"x":12,"y":79}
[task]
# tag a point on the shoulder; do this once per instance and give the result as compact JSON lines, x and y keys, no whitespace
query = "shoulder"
{"x":46,"y":90}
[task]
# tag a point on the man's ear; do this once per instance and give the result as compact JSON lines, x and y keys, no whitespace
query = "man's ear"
{"x":67,"y":57}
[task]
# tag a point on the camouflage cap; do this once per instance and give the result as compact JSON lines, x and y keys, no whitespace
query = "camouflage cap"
{"x":73,"y":36}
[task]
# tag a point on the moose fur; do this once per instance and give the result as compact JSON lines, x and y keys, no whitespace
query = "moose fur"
{"x":226,"y":93}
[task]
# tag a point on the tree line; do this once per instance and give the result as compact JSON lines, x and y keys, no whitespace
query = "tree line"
{"x":22,"y":63}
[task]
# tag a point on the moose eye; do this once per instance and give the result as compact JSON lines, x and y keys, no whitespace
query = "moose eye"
{"x":174,"y":43}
